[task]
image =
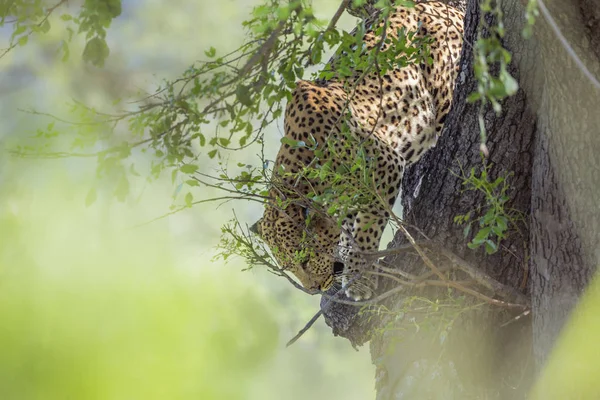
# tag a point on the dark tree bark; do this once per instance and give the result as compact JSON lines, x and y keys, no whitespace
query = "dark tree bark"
{"x":547,"y":135}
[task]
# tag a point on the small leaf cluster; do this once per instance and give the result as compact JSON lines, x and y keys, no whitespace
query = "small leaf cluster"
{"x":344,"y":186}
{"x":494,"y":219}
{"x":26,"y":18}
{"x":33,"y":17}
{"x":95,"y":17}
{"x":355,"y":57}
{"x":237,"y":241}
{"x":491,"y":61}
{"x":490,"y":52}
{"x":531,"y":14}
{"x":233,"y":96}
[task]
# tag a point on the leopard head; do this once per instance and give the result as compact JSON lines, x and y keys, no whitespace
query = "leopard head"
{"x":302,"y":244}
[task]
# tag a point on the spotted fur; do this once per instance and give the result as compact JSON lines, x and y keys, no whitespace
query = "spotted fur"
{"x":398,"y":116}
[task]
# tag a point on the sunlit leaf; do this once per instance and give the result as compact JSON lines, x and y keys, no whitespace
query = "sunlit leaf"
{"x":96,"y":51}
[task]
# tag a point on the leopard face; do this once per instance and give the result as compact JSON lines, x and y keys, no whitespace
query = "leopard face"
{"x":305,"y":248}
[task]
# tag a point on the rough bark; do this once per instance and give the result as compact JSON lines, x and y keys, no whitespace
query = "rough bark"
{"x":566,"y":174}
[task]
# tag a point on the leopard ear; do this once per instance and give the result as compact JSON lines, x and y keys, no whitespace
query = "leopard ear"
{"x":256,"y":228}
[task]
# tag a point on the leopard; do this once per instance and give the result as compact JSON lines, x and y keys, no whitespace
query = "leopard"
{"x":396,"y":116}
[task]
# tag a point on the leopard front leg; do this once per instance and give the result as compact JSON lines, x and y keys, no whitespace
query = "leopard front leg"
{"x":362,"y":233}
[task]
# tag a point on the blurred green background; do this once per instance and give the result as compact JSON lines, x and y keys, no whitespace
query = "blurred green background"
{"x":93,"y":306}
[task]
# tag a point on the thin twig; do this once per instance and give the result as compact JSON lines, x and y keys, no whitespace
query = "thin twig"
{"x":46,"y":16}
{"x":306,"y":328}
{"x":320,"y":312}
{"x":485,"y":280}
{"x":337,"y":14}
{"x":195,"y":203}
{"x":422,"y":254}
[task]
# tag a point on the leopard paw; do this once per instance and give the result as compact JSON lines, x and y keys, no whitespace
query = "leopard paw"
{"x":359,"y":294}
{"x":359,"y":287}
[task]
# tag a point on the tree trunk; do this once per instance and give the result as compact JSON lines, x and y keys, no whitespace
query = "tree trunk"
{"x":547,"y":136}
{"x":566,"y":173}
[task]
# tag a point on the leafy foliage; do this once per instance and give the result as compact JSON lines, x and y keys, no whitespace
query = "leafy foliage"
{"x":495,"y":219}
{"x":531,"y":15}
{"x":221,"y":104}
{"x":491,"y":60}
{"x":34,"y":17}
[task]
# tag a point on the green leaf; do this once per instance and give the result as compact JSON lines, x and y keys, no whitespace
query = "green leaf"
{"x":473,"y":246}
{"x":292,"y":143}
{"x":189,"y":198}
{"x":19,"y":29}
{"x":482,"y":235}
{"x":242,"y":93}
{"x":488,"y":217}
{"x":133,"y":171}
{"x":467,"y":230}
{"x":45,"y":27}
{"x":510,"y":84}
{"x":473,"y":97}
{"x":498,"y":231}
{"x":91,"y":197}
{"x":23,"y":40}
{"x":212,"y":153}
{"x":502,"y":222}
{"x":210,"y":53}
{"x":490,"y":247}
{"x":114,"y":8}
{"x":96,"y":51}
{"x":189,"y":168}
{"x":332,"y":209}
